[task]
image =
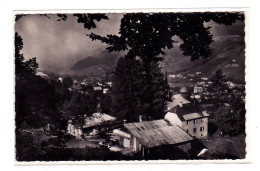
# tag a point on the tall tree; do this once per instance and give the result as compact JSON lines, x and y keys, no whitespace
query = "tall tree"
{"x":23,"y":68}
{"x":219,"y":81}
{"x":132,"y":94}
{"x":145,"y":36}
{"x":127,"y":88}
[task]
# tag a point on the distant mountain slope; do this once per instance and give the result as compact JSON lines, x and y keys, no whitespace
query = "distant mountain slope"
{"x":93,"y":63}
{"x":228,"y":55}
{"x":103,"y":58}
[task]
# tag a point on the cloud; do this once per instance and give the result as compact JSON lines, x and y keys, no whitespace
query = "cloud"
{"x":59,"y":44}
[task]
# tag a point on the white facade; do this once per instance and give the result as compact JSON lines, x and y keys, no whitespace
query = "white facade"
{"x":198,"y":89}
{"x":197,"y":127}
{"x":75,"y":131}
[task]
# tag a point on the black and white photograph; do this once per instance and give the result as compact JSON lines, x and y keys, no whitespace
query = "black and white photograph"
{"x":130,"y":86}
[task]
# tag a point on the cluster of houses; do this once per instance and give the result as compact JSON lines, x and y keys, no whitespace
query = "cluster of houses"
{"x":183,"y":123}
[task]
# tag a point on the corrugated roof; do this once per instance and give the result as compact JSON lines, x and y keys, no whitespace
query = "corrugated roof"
{"x":158,"y":132}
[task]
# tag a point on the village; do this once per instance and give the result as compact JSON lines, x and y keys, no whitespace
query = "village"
{"x":187,"y":130}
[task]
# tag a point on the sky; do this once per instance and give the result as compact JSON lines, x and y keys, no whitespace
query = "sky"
{"x":58,"y":45}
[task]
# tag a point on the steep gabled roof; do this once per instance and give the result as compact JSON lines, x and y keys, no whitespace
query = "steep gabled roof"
{"x":97,"y":119}
{"x":189,"y":112}
{"x":158,"y":132}
{"x":176,"y":100}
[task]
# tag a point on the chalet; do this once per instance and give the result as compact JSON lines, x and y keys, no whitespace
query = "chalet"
{"x":190,"y":118}
{"x":92,"y":125}
{"x":146,"y":135}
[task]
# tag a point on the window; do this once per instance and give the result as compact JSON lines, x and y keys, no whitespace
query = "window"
{"x":194,"y":130}
{"x":202,"y":128}
{"x":194,"y":121}
{"x":187,"y":122}
{"x":187,"y":131}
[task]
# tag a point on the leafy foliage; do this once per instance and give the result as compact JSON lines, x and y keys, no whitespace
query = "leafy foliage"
{"x":230,"y":107}
{"x":145,"y":36}
{"x":231,"y":119}
{"x":88,"y":19}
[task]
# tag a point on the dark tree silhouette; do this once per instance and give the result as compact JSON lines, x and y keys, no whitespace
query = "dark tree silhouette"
{"x":219,"y":81}
{"x":23,"y":68}
{"x":145,"y":36}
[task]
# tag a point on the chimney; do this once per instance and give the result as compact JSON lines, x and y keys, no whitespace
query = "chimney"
{"x":140,"y":118}
{"x":180,"y":104}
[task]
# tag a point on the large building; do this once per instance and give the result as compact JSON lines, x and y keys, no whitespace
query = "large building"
{"x":190,"y":118}
{"x":143,"y":136}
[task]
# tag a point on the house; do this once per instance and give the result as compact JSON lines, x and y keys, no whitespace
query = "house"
{"x":172,"y":76}
{"x":60,"y":79}
{"x":97,"y":88}
{"x":122,"y":137}
{"x":74,"y":130}
{"x":105,"y":90}
{"x":176,"y":100}
{"x":198,"y":89}
{"x":190,"y":118}
{"x":143,"y":136}
{"x":109,"y":84}
{"x":93,"y":125}
{"x":41,"y":74}
{"x":204,"y":78}
{"x":231,"y":84}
